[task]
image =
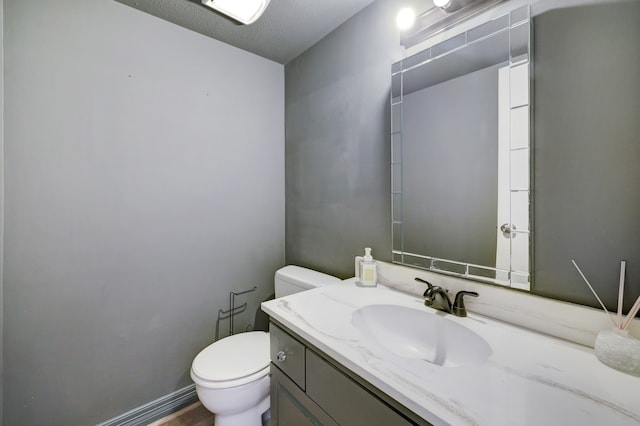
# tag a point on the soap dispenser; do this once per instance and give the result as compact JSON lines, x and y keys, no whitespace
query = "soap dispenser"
{"x":368,"y":274}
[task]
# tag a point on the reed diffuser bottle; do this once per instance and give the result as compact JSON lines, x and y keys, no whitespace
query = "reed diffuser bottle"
{"x":615,"y":347}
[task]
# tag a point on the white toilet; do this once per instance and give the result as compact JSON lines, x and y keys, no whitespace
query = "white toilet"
{"x":232,"y":374}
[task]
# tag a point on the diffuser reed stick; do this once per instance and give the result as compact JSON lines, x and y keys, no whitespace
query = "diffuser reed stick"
{"x":619,"y":324}
{"x":632,"y":314}
{"x":594,"y":293}
{"x":623,"y":265}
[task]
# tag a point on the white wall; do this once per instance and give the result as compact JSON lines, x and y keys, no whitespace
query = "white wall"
{"x":144,"y":176}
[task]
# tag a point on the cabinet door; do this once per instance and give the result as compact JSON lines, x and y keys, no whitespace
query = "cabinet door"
{"x":291,"y":407}
{"x":348,"y":403}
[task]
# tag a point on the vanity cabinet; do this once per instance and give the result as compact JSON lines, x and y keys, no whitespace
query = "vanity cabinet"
{"x":307,"y":389}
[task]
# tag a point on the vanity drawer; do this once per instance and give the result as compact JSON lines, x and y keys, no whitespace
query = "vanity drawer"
{"x":288,"y":355}
{"x":347,"y":402}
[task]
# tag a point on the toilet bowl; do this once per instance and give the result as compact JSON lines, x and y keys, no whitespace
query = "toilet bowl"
{"x":232,"y":378}
{"x":232,"y":374}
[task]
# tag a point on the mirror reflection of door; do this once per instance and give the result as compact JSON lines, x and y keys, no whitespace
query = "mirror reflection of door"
{"x":512,"y":238}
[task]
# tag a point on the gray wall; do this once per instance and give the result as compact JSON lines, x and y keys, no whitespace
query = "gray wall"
{"x":587,"y":151}
{"x":1,"y":201}
{"x":144,"y":181}
{"x":337,"y":143}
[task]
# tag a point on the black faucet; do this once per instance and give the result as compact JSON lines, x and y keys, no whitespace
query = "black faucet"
{"x":438,"y":298}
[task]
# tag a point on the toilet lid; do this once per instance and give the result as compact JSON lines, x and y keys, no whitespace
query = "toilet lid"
{"x":233,"y":357}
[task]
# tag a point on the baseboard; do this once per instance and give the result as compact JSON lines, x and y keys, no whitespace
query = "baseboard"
{"x":156,"y":409}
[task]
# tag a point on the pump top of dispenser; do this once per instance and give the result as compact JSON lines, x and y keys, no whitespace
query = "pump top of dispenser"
{"x":367,"y":255}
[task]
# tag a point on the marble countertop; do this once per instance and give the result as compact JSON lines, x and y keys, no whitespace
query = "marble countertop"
{"x":529,"y":379}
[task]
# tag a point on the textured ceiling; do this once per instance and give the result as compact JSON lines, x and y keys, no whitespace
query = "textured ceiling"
{"x":286,"y":29}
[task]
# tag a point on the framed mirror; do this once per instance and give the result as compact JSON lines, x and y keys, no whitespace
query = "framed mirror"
{"x":461,"y":152}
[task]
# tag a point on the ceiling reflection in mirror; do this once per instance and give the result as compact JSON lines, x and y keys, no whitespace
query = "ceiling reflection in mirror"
{"x":460,"y":141}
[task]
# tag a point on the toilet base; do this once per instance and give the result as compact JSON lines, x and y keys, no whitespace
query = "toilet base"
{"x":251,"y":417}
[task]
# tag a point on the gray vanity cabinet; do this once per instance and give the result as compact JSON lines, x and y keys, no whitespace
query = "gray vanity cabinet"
{"x":306,"y":389}
{"x":290,"y":406}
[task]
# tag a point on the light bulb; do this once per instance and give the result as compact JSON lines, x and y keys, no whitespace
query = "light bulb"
{"x":441,"y":3}
{"x":405,"y":18}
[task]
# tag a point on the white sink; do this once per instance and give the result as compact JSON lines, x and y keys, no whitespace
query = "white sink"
{"x":420,"y":334}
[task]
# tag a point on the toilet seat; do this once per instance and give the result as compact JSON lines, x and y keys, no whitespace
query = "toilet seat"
{"x":232,"y":361}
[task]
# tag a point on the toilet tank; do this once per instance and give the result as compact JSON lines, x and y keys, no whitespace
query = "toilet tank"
{"x":294,"y":279}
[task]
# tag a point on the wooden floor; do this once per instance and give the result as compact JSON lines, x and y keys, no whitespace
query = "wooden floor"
{"x":193,"y":415}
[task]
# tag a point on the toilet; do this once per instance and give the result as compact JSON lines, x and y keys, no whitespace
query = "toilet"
{"x":232,"y":374}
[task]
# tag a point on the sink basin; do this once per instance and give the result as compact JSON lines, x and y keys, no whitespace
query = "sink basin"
{"x":420,"y":334}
